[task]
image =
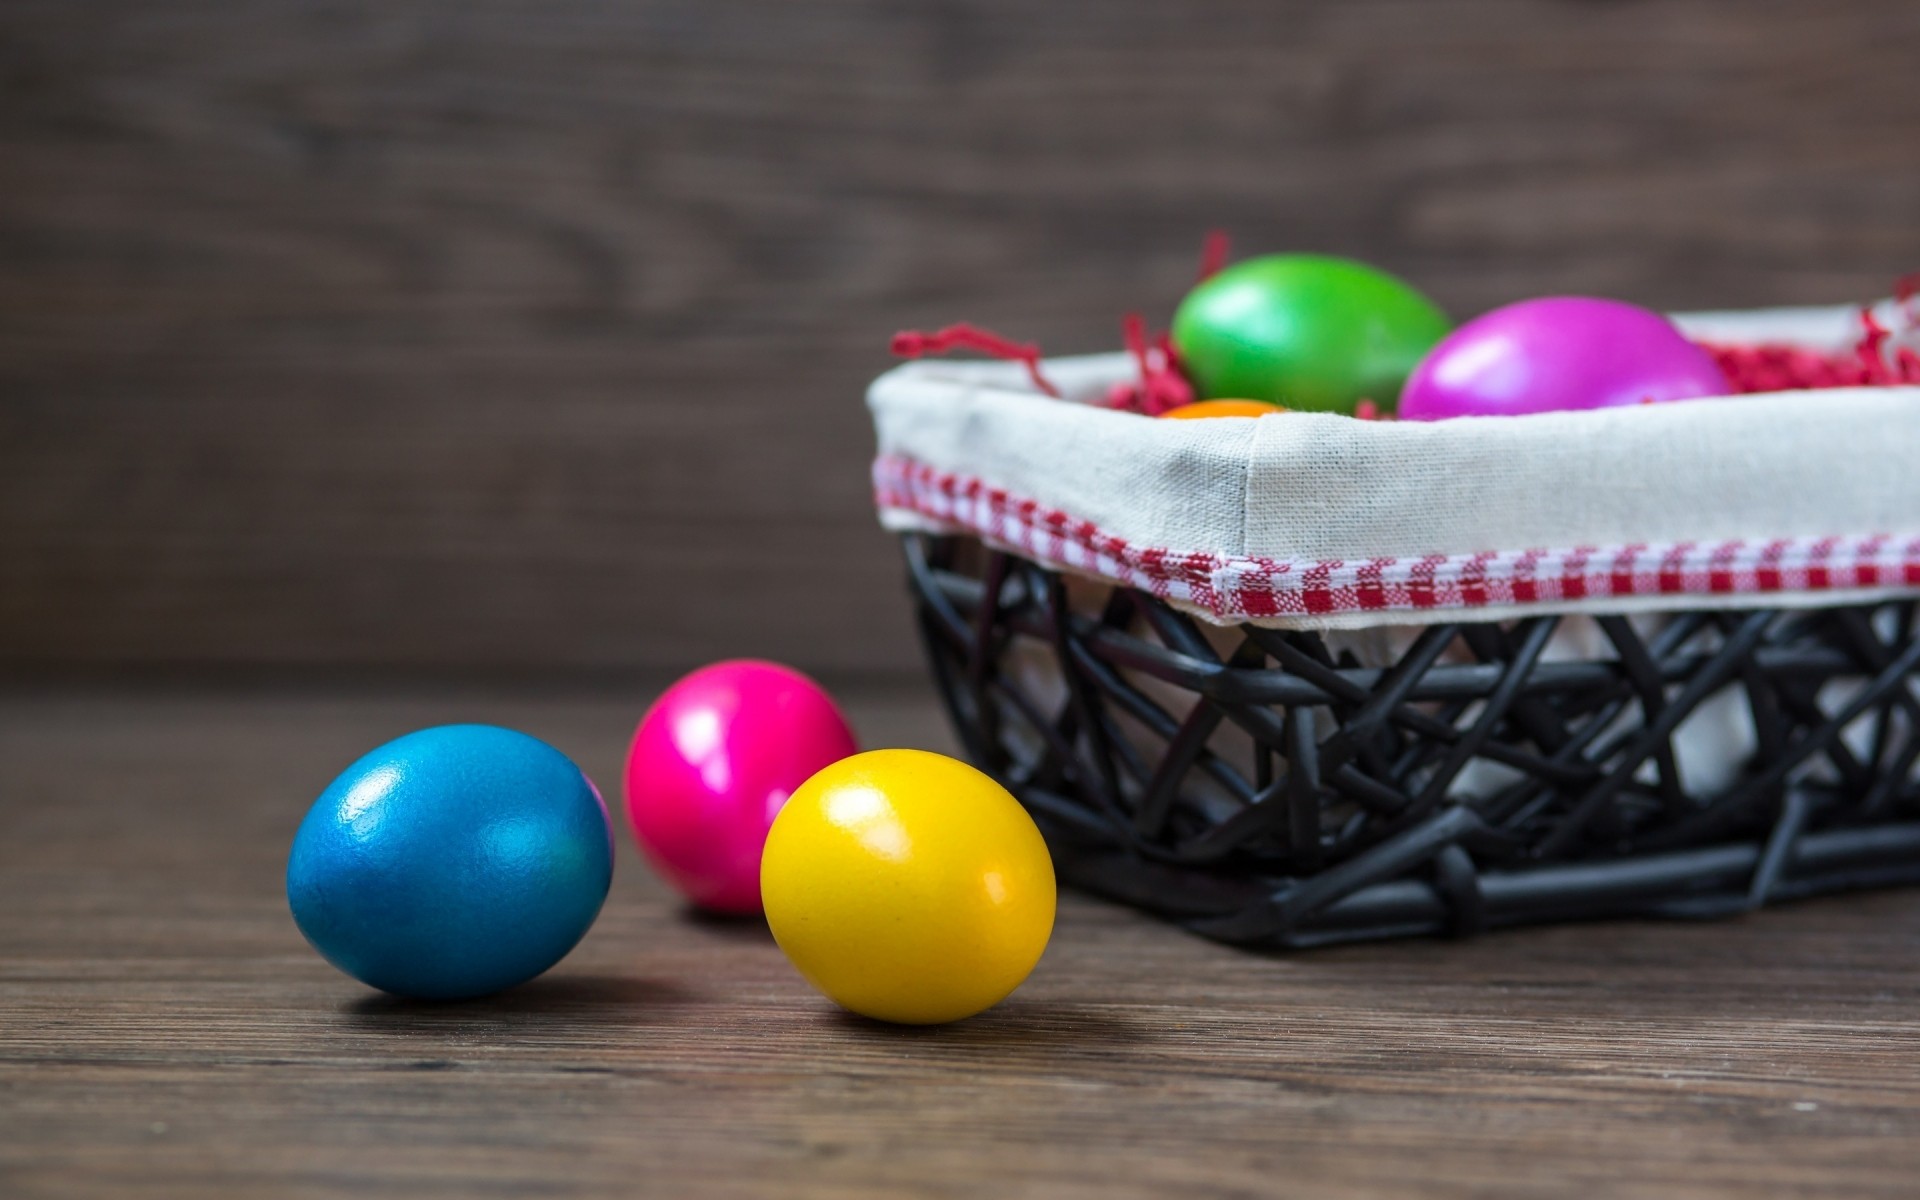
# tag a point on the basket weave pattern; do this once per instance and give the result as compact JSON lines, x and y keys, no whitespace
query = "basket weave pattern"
{"x":1279,"y":792}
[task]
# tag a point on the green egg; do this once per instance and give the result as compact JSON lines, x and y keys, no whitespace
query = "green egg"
{"x":1306,"y":331}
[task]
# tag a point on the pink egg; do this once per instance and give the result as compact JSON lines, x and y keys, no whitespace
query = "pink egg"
{"x":711,"y":764}
{"x":1557,"y":354}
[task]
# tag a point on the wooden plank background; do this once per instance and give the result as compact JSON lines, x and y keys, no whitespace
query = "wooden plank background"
{"x":409,"y":335}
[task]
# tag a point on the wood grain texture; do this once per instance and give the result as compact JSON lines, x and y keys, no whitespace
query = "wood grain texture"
{"x":165,"y":1033}
{"x":418,"y":334}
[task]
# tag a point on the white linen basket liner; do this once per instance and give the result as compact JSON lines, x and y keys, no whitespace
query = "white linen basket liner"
{"x":1310,"y":520}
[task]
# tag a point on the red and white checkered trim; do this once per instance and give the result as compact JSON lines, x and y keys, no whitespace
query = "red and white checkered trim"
{"x":1237,"y":587}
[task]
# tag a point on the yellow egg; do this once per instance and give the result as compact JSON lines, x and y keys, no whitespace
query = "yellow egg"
{"x":1221,"y":408}
{"x":908,"y":887}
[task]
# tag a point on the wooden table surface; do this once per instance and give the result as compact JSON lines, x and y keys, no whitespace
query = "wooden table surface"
{"x":165,"y":1032}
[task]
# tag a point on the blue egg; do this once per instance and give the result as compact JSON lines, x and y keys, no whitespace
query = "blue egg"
{"x":453,"y":862}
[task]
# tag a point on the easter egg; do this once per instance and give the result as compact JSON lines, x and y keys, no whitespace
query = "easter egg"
{"x":908,"y":887}
{"x":710,"y":766}
{"x":1306,"y":331}
{"x":1557,"y":354}
{"x":452,"y":862}
{"x":1221,"y":408}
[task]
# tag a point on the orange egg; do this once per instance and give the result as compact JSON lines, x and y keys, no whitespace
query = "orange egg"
{"x":1222,"y":408}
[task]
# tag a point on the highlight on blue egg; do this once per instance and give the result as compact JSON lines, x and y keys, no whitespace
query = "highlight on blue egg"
{"x":452,"y":863}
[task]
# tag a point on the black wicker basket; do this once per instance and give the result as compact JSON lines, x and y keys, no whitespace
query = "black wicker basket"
{"x":1267,"y":787}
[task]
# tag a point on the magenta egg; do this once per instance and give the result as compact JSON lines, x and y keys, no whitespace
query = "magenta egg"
{"x":711,"y":764}
{"x":1557,"y":354}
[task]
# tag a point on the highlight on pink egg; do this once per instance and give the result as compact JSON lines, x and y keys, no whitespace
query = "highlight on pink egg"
{"x":1558,"y":354}
{"x":710,"y":766}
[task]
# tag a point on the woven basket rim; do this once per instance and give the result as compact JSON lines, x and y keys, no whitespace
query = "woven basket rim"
{"x":1725,"y":516}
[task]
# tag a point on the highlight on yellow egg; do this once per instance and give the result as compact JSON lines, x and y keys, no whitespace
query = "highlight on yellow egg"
{"x":1201,"y":409}
{"x":908,"y":887}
